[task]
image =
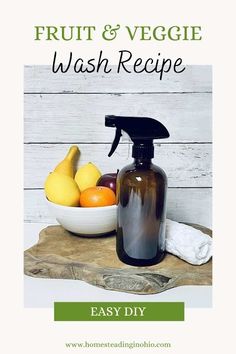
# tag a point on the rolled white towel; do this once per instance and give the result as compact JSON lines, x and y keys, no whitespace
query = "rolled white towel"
{"x":187,"y":243}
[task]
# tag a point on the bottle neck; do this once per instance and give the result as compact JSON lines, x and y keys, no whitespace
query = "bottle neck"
{"x":142,"y":162}
{"x":143,"y":150}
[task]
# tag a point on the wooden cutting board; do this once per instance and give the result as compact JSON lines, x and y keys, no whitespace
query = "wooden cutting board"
{"x":60,"y":254}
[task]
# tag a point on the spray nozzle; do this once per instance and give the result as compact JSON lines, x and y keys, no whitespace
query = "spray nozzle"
{"x":142,"y":131}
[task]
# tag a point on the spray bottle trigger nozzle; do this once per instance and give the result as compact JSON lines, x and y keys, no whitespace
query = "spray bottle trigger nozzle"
{"x":116,"y":141}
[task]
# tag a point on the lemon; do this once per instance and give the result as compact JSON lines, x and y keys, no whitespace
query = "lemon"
{"x":62,"y":189}
{"x":87,"y":176}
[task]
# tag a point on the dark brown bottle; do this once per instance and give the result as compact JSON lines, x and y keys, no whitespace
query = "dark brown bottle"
{"x":141,"y":213}
{"x":141,"y":193}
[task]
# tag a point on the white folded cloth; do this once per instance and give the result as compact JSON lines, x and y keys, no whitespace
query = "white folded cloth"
{"x":187,"y":243}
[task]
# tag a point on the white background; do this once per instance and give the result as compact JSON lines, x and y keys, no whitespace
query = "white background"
{"x":204,"y":330}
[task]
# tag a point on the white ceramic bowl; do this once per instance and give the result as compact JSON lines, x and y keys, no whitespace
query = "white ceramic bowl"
{"x":85,"y":221}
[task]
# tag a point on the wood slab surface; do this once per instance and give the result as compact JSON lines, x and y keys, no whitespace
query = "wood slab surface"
{"x":62,"y":255}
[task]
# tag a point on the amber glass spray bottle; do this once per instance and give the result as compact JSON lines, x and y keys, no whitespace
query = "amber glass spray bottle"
{"x":141,"y":193}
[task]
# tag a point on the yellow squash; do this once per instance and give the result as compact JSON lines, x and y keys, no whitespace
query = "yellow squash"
{"x":62,"y":189}
{"x":66,"y":166}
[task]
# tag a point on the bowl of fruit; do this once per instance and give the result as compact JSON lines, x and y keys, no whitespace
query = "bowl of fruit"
{"x":83,"y":203}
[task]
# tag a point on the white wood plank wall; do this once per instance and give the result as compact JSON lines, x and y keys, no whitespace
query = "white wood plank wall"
{"x":62,"y":109}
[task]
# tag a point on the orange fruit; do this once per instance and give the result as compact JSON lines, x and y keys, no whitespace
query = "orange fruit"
{"x":97,"y":197}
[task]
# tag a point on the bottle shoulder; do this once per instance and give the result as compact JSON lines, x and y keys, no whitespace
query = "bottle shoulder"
{"x":159,"y":170}
{"x":127,"y":168}
{"x":134,"y":170}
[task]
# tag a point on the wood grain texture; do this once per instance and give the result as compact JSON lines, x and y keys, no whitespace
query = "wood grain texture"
{"x":80,"y":118}
{"x":70,"y":108}
{"x":187,"y":165}
{"x":191,"y":205}
{"x":59,"y":254}
{"x":195,"y":78}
